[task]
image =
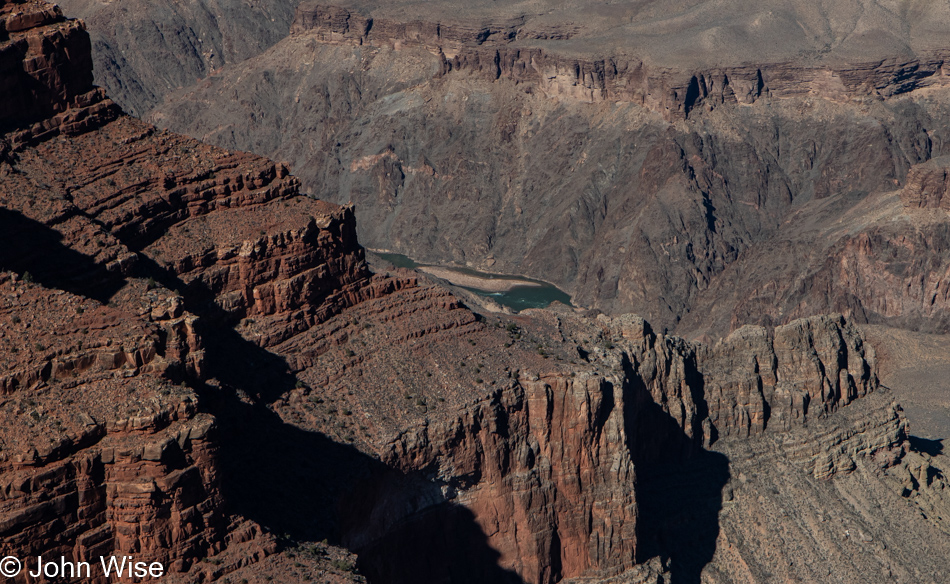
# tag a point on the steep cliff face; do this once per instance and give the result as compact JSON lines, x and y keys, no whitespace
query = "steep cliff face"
{"x":144,"y":50}
{"x":541,"y":463}
{"x":107,"y":309}
{"x":544,"y":468}
{"x":37,"y":43}
{"x":47,"y":64}
{"x":764,"y":378}
{"x":926,"y":186}
{"x":516,"y":50}
{"x":90,"y":468}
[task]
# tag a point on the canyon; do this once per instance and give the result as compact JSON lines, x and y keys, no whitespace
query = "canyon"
{"x":200,"y":368}
{"x":635,"y":176}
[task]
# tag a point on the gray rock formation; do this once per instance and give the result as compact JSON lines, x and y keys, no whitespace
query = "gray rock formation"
{"x":145,"y":49}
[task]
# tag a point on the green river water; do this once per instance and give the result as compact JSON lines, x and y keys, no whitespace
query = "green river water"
{"x":518,"y":298}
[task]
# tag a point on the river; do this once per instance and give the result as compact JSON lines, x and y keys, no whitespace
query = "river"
{"x":531,"y":294}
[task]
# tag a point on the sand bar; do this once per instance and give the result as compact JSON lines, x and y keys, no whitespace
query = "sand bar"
{"x":470,"y":281}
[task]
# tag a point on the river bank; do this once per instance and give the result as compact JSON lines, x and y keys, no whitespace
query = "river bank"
{"x":517,"y":293}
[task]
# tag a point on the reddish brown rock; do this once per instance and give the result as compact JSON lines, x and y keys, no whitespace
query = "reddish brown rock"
{"x":89,"y":467}
{"x":927,"y":185}
{"x":554,"y":475}
{"x":199,"y":318}
{"x":46,"y":63}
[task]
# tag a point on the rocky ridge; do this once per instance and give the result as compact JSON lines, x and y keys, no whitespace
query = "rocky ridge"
{"x":204,"y":319}
{"x":144,"y":50}
{"x":504,"y":49}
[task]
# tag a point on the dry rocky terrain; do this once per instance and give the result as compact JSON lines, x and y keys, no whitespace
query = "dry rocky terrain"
{"x":702,"y":189}
{"x":198,"y":367}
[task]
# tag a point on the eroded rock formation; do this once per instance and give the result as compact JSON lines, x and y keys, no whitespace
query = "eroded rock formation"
{"x":515,"y":49}
{"x":520,"y":144}
{"x":200,"y":369}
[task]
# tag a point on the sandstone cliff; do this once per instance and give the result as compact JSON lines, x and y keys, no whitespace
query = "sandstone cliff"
{"x":516,"y":50}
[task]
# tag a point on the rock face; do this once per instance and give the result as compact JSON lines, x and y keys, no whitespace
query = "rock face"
{"x":105,"y":450}
{"x":48,"y":68}
{"x":144,"y":50}
{"x":514,"y":49}
{"x":195,"y":358}
{"x":493,"y":143}
{"x":89,"y":467}
{"x":926,"y":186}
{"x":764,"y":378}
{"x":544,"y":468}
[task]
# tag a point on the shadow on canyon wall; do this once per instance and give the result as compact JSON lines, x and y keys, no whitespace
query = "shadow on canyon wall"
{"x":298,"y":484}
{"x":36,"y":252}
{"x":679,"y":483}
{"x":303,"y":486}
{"x":925,"y":445}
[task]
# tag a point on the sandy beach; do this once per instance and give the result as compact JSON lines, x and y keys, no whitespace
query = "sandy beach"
{"x":469,"y":281}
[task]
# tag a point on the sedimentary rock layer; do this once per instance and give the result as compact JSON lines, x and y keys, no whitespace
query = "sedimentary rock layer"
{"x":476,"y":143}
{"x":517,"y":51}
{"x":205,"y":368}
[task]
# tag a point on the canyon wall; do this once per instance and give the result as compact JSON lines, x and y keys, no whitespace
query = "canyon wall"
{"x":200,"y":369}
{"x":511,"y":146}
{"x":144,"y":50}
{"x":504,"y":49}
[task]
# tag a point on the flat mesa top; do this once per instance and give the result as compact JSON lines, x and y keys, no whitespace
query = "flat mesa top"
{"x":699,"y":33}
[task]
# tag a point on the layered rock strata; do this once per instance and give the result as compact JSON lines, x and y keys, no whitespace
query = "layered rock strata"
{"x":192,"y":317}
{"x":47,"y":65}
{"x":102,"y":450}
{"x":504,"y":49}
{"x":105,"y":450}
{"x":615,"y":200}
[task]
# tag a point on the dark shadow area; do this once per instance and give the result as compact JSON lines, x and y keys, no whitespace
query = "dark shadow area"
{"x":693,"y":95}
{"x":36,"y":252}
{"x":230,"y":358}
{"x":303,"y":486}
{"x":679,"y":483}
{"x":927,"y":446}
{"x":439,"y":545}
{"x":679,"y":512}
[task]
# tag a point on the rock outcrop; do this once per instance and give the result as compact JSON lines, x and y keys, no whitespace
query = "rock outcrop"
{"x":516,"y":50}
{"x":927,"y":186}
{"x":47,"y":66}
{"x":102,"y":450}
{"x":105,"y":310}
